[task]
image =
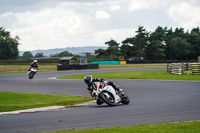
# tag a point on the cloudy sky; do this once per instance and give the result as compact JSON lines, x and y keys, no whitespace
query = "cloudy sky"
{"x":47,"y":24}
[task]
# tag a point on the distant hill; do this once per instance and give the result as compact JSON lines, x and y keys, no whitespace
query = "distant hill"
{"x":73,"y":50}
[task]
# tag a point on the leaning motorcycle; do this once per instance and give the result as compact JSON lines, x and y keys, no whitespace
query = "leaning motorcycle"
{"x":32,"y":72}
{"x":107,"y":94}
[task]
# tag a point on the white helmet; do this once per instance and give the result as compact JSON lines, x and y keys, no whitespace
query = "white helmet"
{"x":35,"y":61}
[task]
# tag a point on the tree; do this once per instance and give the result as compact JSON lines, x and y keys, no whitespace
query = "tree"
{"x":194,"y":40}
{"x":8,"y":45}
{"x":100,"y":53}
{"x":135,"y":46}
{"x":38,"y":55}
{"x":128,"y":49}
{"x":156,"y":46}
{"x":180,"y":48}
{"x":113,"y":50}
{"x":168,"y":51}
{"x":140,"y":41}
{"x":27,"y":55}
{"x":64,"y":54}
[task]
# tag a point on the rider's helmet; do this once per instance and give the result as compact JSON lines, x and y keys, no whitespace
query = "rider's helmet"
{"x":88,"y":79}
{"x":35,"y":61}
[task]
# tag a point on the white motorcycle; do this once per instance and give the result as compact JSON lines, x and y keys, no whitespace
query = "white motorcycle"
{"x":32,"y":72}
{"x":107,"y":94}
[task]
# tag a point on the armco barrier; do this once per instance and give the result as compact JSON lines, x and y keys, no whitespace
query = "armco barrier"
{"x":122,"y":62}
{"x":195,"y":68}
{"x":106,"y":62}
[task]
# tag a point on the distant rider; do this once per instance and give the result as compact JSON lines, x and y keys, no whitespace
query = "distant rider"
{"x":34,"y":64}
{"x":103,"y":82}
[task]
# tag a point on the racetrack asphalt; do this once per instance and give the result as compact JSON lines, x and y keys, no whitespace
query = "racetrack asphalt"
{"x":152,"y":101}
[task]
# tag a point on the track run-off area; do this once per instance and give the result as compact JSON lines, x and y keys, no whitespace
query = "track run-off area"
{"x":152,"y":101}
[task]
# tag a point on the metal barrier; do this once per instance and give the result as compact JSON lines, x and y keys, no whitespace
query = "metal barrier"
{"x":106,"y":62}
{"x":196,"y":68}
{"x":122,"y":62}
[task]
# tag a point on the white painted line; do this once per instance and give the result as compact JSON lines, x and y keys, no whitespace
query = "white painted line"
{"x":52,"y":78}
{"x":85,"y":104}
{"x":50,"y":108}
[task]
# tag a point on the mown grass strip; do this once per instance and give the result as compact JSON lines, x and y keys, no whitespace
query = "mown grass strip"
{"x":11,"y":101}
{"x":13,"y":69}
{"x":124,"y":66}
{"x":181,"y":127}
{"x":150,"y":74}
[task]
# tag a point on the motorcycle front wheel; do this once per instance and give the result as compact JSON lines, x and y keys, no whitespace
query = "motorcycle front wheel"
{"x":110,"y":100}
{"x":125,"y":99}
{"x":31,"y":75}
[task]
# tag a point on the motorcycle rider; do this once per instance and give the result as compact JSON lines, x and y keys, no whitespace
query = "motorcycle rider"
{"x":89,"y":80}
{"x":33,"y":64}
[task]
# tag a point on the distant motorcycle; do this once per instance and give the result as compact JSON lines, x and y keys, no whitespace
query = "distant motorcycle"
{"x":107,"y":94}
{"x":32,"y":72}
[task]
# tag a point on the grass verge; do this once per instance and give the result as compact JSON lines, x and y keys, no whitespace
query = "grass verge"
{"x":12,"y":69}
{"x":150,"y":74}
{"x":11,"y":101}
{"x":181,"y":127}
{"x":123,"y":66}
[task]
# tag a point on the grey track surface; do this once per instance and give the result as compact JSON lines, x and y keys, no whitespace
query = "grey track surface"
{"x":152,"y":101}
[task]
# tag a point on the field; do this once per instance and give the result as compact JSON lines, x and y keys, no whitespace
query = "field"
{"x":7,"y":69}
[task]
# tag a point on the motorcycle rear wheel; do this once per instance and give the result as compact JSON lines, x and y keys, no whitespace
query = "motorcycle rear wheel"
{"x":108,"y":100}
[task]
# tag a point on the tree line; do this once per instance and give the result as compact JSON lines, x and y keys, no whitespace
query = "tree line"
{"x":161,"y":44}
{"x":28,"y":54}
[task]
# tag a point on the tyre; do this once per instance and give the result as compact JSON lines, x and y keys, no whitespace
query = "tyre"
{"x":31,"y":75}
{"x":125,"y":99}
{"x":108,"y":100}
{"x":99,"y":102}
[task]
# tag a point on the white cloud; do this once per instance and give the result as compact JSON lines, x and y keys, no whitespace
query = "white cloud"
{"x":59,"y":24}
{"x":117,"y":34}
{"x":185,"y":15}
{"x":8,"y":19}
{"x":102,"y":15}
{"x":145,"y":4}
{"x":114,"y":8}
{"x":50,"y":28}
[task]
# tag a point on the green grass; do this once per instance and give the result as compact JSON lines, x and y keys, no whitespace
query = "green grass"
{"x":10,"y":101}
{"x":13,"y":69}
{"x":181,"y":127}
{"x":123,"y":66}
{"x":150,"y":74}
